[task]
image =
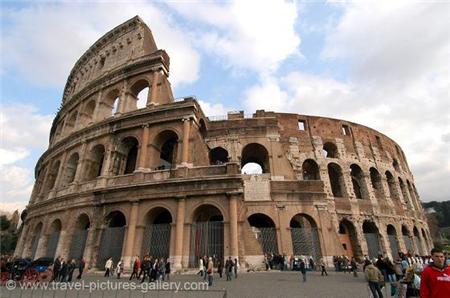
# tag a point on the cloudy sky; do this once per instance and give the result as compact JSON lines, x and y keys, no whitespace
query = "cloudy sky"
{"x":384,"y":64}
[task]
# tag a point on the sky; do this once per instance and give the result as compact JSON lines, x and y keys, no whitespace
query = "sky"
{"x":383,"y":64}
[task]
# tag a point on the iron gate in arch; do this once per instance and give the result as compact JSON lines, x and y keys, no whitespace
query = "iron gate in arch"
{"x":373,"y":244}
{"x":408,"y":243}
{"x":110,"y":245}
{"x":305,"y":241}
{"x":78,"y":244}
{"x":52,"y":244}
{"x":206,"y":240}
{"x":394,"y":245}
{"x":34,"y":246}
{"x":267,"y":237}
{"x":156,"y":241}
{"x":419,"y":246}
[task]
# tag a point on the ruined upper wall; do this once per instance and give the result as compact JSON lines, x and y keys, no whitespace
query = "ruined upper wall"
{"x":120,"y":46}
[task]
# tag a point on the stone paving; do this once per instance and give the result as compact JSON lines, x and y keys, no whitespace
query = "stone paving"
{"x":260,"y":284}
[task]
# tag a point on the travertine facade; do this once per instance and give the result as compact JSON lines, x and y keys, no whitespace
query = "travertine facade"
{"x":118,"y":180}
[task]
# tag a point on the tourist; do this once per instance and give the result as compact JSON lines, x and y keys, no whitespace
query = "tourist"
{"x":108,"y":267}
{"x":220,"y":267}
{"x":235,"y":267}
{"x":312,"y":265}
{"x":63,"y":271}
{"x":136,"y":266}
{"x":119,"y":268}
{"x":391,"y":276}
{"x":354,"y":267}
{"x":228,"y":268}
{"x":200,"y":267}
{"x":70,"y":269}
{"x":145,"y":268}
{"x":323,"y":268}
{"x":375,"y":279}
{"x":303,"y":269}
{"x":168,"y":270}
{"x":56,"y":269}
{"x":81,"y":265}
{"x":435,"y":282}
{"x":162,"y":269}
{"x":209,"y":271}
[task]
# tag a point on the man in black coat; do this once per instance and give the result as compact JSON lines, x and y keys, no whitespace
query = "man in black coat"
{"x":56,"y":268}
{"x":81,"y":266}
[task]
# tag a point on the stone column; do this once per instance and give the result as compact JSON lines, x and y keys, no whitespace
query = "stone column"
{"x":232,"y":199}
{"x":153,"y":92}
{"x":21,"y":243}
{"x":60,"y":173}
{"x":131,"y":232}
{"x":63,"y":247}
{"x":144,"y":147}
{"x":179,"y":229}
{"x":42,"y":246}
{"x":185,"y":148}
{"x":81,"y":164}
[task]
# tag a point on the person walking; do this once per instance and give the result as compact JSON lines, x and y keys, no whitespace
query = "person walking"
{"x":209,"y":271}
{"x":303,"y":269}
{"x":235,"y":267}
{"x":119,"y":268}
{"x":108,"y":267}
{"x":136,"y":267}
{"x":200,"y":267}
{"x":323,"y":268}
{"x":63,"y":271}
{"x":220,"y":267}
{"x":56,"y":269}
{"x":228,"y":268}
{"x":354,"y":267}
{"x":168,"y":270}
{"x":375,"y":278}
{"x":70,"y":269}
{"x":312,"y":265}
{"x":81,"y":265}
{"x":435,"y":278}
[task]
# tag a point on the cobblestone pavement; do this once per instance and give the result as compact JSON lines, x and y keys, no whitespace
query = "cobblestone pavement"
{"x":260,"y":284}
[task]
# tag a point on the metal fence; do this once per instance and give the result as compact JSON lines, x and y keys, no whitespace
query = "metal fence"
{"x":267,"y":237}
{"x":408,"y":243}
{"x":373,"y":244}
{"x":78,"y":244}
{"x":52,"y":244}
{"x":394,"y":245}
{"x":157,"y":240}
{"x":110,"y":245}
{"x":206,"y":240}
{"x":305,"y":241}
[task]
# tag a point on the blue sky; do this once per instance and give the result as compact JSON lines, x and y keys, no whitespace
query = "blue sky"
{"x":383,"y":64}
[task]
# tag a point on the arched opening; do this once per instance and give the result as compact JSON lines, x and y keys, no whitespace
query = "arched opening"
{"x":412,"y":195}
{"x":371,"y":235}
{"x":393,"y":191}
{"x":112,"y":238}
{"x":206,"y":234}
{"x":218,"y":156}
{"x":71,"y":169}
{"x":157,"y":233}
{"x":418,"y":242}
{"x":265,"y":231}
{"x":404,"y":192}
{"x":336,"y":179}
{"x":305,"y":237}
{"x":393,"y":241}
{"x":359,"y":187}
{"x":52,"y":175}
{"x":330,"y":150}
{"x":70,"y":123}
{"x":140,"y":91}
{"x":396,"y":165}
{"x":88,"y":112}
{"x":166,"y":145}
{"x":79,"y":237}
{"x":425,"y":239}
{"x":109,"y":105}
{"x":310,"y":170}
{"x":255,"y":153}
{"x":407,"y":239}
{"x":128,"y":152}
{"x":53,"y":238}
{"x":377,"y":185}
{"x":251,"y":168}
{"x":35,"y":240}
{"x":94,"y":163}
{"x":349,"y":239}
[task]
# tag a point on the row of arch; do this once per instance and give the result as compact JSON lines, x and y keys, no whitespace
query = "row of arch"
{"x":111,"y":102}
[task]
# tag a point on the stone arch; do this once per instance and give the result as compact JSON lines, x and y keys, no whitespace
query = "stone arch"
{"x":330,"y":150}
{"x":395,"y":165}
{"x":411,"y":194}
{"x":88,"y":112}
{"x":166,"y":148}
{"x":53,"y":238}
{"x":158,"y":224}
{"x":109,"y":105}
{"x":425,"y":239}
{"x":53,"y":174}
{"x":126,"y":156}
{"x":310,"y":170}
{"x":112,"y":238}
{"x":349,"y":238}
{"x":256,"y":154}
{"x":70,"y":169}
{"x":393,"y":240}
{"x":140,"y":91}
{"x":372,"y":236}
{"x":202,"y":128}
{"x":71,"y":122}
{"x":94,"y":162}
{"x":336,"y":179}
{"x":418,"y":242}
{"x":79,"y":236}
{"x":305,"y":236}
{"x":266,"y":232}
{"x":376,"y":182}
{"x":207,"y":233}
{"x":407,"y":239}
{"x":359,"y":185}
{"x":37,"y":233}
{"x":393,"y":190}
{"x":404,"y":192}
{"x":218,"y":156}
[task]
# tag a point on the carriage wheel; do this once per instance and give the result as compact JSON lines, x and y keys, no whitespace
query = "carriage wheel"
{"x":30,"y":275}
{"x":4,"y":277}
{"x":46,"y":276}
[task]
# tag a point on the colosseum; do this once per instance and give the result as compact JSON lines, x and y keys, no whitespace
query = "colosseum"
{"x":122,"y":178}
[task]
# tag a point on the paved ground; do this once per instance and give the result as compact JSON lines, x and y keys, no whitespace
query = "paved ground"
{"x":261,"y":284}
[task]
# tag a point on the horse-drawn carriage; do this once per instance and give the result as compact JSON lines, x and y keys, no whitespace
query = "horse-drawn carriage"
{"x":27,"y":271}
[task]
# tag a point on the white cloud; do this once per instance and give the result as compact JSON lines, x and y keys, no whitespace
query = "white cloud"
{"x":214,"y":109}
{"x":43,"y":41}
{"x":16,"y":184}
{"x":244,"y":36}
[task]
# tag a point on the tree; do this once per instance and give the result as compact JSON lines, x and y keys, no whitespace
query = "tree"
{"x":5,"y":223}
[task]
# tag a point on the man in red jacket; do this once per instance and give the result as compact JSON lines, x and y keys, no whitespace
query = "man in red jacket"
{"x":435,"y":279}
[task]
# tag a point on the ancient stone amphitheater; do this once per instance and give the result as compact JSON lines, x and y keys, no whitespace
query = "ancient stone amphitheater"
{"x":124,"y":176}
